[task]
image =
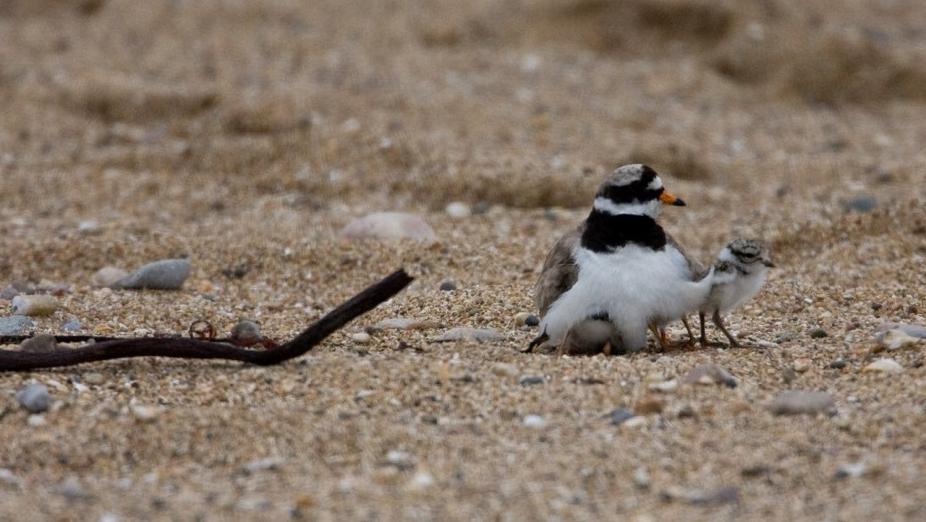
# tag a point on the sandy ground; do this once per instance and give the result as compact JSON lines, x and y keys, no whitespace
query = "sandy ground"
{"x":246,"y":134}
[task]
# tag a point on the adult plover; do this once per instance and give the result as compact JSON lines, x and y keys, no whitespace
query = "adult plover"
{"x":618,"y":272}
{"x":739,"y":273}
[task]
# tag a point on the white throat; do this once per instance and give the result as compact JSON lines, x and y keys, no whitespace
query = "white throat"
{"x":649,"y":208}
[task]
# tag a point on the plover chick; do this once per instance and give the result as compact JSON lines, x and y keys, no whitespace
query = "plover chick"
{"x":739,"y":273}
{"x":618,"y":268}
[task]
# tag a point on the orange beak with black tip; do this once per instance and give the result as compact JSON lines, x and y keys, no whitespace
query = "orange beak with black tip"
{"x":669,"y":199}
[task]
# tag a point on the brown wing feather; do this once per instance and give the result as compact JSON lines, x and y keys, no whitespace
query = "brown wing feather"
{"x":559,"y":272}
{"x":697,"y":269}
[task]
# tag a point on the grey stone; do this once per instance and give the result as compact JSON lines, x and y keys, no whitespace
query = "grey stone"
{"x":389,"y":226}
{"x":71,"y":326}
{"x":862,"y":204}
{"x":530,"y":380}
{"x":42,"y":343}
{"x":913,"y":330}
{"x":167,"y":274}
{"x":246,"y":333}
{"x":400,"y":323}
{"x":798,"y":402}
{"x":16,"y":325}
{"x":16,"y":288}
{"x":448,"y":285}
{"x":709,"y":374}
{"x":724,"y":495}
{"x":620,"y":416}
{"x":34,"y":398}
{"x":463,"y":333}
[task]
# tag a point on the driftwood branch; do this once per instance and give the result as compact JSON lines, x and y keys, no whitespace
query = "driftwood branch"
{"x":185,"y":348}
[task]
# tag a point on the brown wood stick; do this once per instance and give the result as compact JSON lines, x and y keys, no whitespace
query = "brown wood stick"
{"x":185,"y":348}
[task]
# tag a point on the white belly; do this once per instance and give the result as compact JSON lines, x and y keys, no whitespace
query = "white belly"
{"x":634,"y":286}
{"x":728,"y":296}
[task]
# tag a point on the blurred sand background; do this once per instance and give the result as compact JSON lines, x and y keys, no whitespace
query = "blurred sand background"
{"x":246,"y":134}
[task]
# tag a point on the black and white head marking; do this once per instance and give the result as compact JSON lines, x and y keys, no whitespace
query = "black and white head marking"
{"x":746,"y":254}
{"x":625,"y":209}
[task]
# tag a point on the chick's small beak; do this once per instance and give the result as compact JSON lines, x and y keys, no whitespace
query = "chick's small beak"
{"x":768,"y":263}
{"x":669,"y":199}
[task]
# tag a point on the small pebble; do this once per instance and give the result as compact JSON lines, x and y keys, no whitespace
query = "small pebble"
{"x":534,"y":421}
{"x":861,"y":204}
{"x":421,"y":481}
{"x":146,"y":413}
{"x":649,"y":405}
{"x":884,"y":366}
{"x":464,"y":333}
{"x":34,"y":305}
{"x":526,"y":319}
{"x":668,"y":386}
{"x":531,"y":380}
{"x":785,"y":337}
{"x":709,"y":374}
{"x":246,"y":333}
{"x":620,"y":416}
{"x":801,"y":365}
{"x":34,"y":398}
{"x":9,"y":479}
{"x":71,"y":490}
{"x":89,"y":227}
{"x":360,"y":337}
{"x":166,"y":274}
{"x":264,"y":464}
{"x":641,"y":478}
{"x":842,"y":422}
{"x":16,"y":325}
{"x":818,"y":333}
{"x":838,"y":364}
{"x":504,"y":369}
{"x":896,"y":339}
{"x":36,"y":420}
{"x":389,"y":226}
{"x":94,"y":378}
{"x":108,"y":276}
{"x":851,"y":470}
{"x":797,"y":402}
{"x":400,"y":323}
{"x":71,"y":326}
{"x":724,"y":495}
{"x":400,"y":459}
{"x":16,"y":288}
{"x":458,"y":210}
{"x":913,"y":330}
{"x":52,"y":288}
{"x":42,"y":343}
{"x":447,"y":285}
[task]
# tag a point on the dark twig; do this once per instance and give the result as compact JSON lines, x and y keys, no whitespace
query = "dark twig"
{"x":185,"y":348}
